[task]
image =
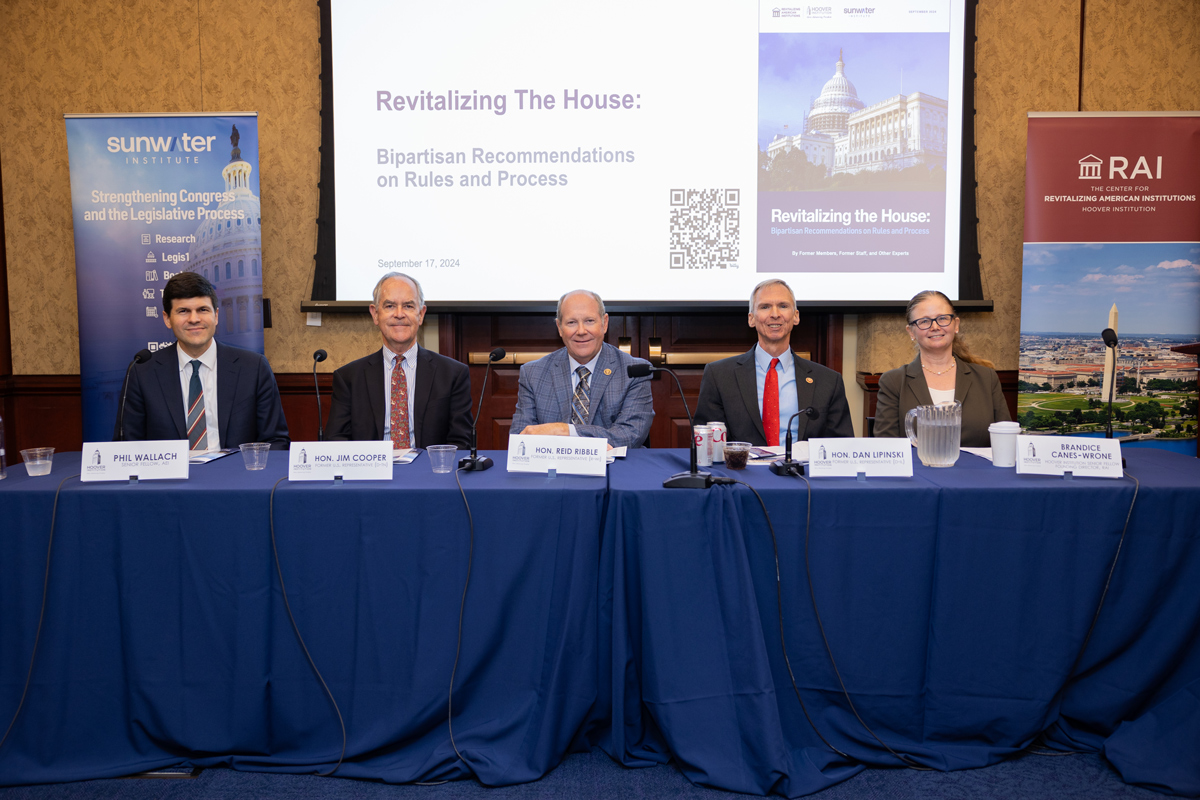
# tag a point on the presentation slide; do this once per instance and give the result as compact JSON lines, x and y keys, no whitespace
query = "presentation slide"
{"x":508,"y":152}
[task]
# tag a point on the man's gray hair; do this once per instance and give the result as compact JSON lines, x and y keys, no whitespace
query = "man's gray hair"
{"x":765,"y":284}
{"x":594,"y":296}
{"x":379,"y":287}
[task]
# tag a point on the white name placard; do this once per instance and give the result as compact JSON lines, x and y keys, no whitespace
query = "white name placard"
{"x":567,"y":455}
{"x":149,"y":461}
{"x":832,"y":458}
{"x":1079,"y":455}
{"x":350,"y":461}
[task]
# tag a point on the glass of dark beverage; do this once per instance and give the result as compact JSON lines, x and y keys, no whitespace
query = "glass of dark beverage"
{"x":736,"y":454}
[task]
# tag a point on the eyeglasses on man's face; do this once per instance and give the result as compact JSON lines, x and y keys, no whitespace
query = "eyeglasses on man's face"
{"x":924,"y":323}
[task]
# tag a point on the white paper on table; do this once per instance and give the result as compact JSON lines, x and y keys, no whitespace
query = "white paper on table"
{"x":205,"y":456}
{"x":982,"y":452}
{"x":405,"y":455}
{"x":800,"y":452}
{"x":776,"y":452}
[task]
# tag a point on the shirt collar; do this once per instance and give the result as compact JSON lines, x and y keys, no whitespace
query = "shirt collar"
{"x":762,"y":359}
{"x":591,"y":365}
{"x":409,"y":356}
{"x":208,"y":359}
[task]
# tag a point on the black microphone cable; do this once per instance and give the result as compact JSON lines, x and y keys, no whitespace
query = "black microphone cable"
{"x":903,"y":759}
{"x":461,"y":609}
{"x":41,"y":614}
{"x":299,"y":638}
{"x":779,"y":600}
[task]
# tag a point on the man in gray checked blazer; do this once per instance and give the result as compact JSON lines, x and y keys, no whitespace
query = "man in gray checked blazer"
{"x":584,"y":389}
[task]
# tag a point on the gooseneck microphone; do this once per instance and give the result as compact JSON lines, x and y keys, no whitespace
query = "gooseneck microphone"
{"x":141,"y":357}
{"x":693,"y":478}
{"x":318,"y":357}
{"x":787,"y":465}
{"x":1110,"y":341}
{"x":475,"y":462}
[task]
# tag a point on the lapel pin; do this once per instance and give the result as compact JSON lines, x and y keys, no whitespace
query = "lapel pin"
{"x":608,"y":371}
{"x":808,"y":380}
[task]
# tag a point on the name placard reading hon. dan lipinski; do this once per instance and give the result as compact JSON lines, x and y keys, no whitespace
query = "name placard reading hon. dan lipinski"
{"x":828,"y":458}
{"x":149,"y":461}
{"x":1079,"y":455}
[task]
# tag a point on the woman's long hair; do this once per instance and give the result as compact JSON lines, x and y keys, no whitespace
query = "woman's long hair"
{"x":959,"y":347}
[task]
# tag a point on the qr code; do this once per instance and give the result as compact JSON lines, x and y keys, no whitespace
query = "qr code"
{"x":704,"y":228}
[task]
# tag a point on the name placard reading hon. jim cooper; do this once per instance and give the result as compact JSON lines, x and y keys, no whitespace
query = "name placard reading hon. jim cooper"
{"x":351,"y":461}
{"x":149,"y":461}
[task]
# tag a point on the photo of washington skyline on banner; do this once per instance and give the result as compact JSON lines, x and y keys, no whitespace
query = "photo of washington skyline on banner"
{"x":152,"y":196}
{"x":1112,"y":240}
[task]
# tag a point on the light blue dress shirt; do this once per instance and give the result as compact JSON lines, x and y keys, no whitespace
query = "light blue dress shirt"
{"x":789,"y":404}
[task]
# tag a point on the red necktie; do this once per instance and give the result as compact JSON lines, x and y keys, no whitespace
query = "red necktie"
{"x":399,"y":417}
{"x":770,"y":409}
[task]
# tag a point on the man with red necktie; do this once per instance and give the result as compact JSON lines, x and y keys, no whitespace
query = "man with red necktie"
{"x":401,"y":392}
{"x":756,"y":393}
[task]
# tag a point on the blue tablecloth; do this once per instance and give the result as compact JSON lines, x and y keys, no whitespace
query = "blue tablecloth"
{"x":166,"y":639}
{"x":955,"y":602}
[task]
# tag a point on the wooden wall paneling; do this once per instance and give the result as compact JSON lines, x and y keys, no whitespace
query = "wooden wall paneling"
{"x":43,"y":411}
{"x":299,"y":400}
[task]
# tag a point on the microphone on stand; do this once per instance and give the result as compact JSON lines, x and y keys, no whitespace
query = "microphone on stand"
{"x":694,"y":478}
{"x":141,"y":357}
{"x":476,"y":462}
{"x":787,"y":465}
{"x":1110,"y":341}
{"x":318,"y":357}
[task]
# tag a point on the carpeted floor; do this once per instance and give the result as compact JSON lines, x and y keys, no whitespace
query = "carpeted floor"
{"x":594,"y":775}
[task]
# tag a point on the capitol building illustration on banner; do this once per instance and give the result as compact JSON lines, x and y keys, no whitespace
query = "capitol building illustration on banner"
{"x":229,"y":253}
{"x":844,"y":135}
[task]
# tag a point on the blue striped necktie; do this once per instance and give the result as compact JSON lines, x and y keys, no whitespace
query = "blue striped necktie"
{"x":196,"y":423}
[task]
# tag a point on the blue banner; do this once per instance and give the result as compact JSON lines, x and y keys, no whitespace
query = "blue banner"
{"x":151,"y":196}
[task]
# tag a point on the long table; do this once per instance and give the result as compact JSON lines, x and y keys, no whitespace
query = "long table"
{"x":166,"y":638}
{"x":956,"y":604}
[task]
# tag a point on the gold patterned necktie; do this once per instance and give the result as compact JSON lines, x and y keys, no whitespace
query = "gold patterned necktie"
{"x":579,"y":402}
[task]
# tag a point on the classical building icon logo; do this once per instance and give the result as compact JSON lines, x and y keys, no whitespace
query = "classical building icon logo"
{"x":1089,"y":168}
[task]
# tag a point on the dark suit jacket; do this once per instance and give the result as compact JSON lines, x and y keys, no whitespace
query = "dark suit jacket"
{"x":442,"y":405}
{"x":248,"y":407}
{"x":621,"y":409}
{"x":975,"y":386}
{"x":729,"y":394}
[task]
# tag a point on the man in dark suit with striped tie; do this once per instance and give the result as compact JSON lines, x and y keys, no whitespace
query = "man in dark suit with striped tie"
{"x":584,"y":388}
{"x":211,"y":394}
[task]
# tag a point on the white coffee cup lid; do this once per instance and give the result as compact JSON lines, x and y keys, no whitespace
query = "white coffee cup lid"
{"x":1004,"y":427}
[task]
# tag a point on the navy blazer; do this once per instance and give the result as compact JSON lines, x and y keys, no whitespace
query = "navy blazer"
{"x":729,"y":394}
{"x":620,"y":407}
{"x":442,"y":405}
{"x":248,"y":407}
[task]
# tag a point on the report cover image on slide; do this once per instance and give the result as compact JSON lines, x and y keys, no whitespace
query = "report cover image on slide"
{"x":852,"y":151}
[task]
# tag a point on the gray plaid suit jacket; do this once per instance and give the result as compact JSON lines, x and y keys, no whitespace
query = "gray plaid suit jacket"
{"x":620,"y":406}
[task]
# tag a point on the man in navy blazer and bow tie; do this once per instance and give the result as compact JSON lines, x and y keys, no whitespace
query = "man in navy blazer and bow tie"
{"x":584,"y":388}
{"x":211,"y":394}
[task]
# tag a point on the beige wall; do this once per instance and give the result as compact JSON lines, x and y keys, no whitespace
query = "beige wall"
{"x":1137,"y":56}
{"x":263,"y":55}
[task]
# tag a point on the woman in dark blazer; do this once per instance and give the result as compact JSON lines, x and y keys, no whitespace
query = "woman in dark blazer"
{"x":944,"y":369}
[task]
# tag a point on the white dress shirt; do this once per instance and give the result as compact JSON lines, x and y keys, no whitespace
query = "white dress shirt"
{"x":208,"y":382}
{"x":408,"y":362}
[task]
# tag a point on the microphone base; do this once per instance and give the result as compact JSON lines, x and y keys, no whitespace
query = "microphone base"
{"x":787,"y":468}
{"x":689,"y":480}
{"x":474,"y":463}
